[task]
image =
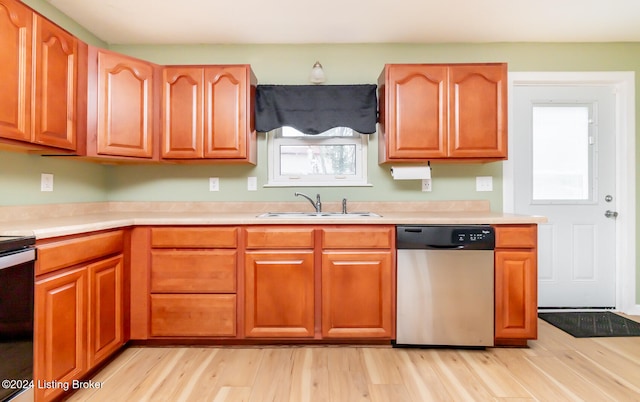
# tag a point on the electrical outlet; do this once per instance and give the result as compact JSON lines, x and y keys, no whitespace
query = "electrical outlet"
{"x":214,"y":184}
{"x":484,"y":183}
{"x":252,"y":183}
{"x":46,"y":182}
{"x":426,"y":184}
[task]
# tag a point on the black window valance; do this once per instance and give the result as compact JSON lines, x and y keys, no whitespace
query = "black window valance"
{"x":313,"y":109}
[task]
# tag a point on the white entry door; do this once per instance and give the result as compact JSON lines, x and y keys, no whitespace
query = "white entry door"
{"x":564,"y":168}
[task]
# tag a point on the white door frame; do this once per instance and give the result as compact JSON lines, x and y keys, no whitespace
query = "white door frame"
{"x":624,"y":82}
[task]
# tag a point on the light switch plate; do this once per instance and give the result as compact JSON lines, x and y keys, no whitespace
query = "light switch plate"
{"x":252,"y":183}
{"x":46,"y":182}
{"x":214,"y":184}
{"x":484,"y":183}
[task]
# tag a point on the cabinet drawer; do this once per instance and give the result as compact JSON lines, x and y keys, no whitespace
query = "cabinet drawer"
{"x":357,"y":237}
{"x":194,"y":237}
{"x":66,"y":253}
{"x":516,"y":236}
{"x":193,"y":315}
{"x":279,"y":237}
{"x":191,"y":271}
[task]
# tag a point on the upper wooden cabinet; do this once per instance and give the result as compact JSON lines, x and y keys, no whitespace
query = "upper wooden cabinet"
{"x":208,"y":113}
{"x":122,"y":115}
{"x":39,"y":66}
{"x":15,"y":67}
{"x":439,"y":111}
{"x":56,"y":81}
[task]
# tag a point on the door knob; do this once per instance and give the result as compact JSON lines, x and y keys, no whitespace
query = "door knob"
{"x":611,"y":214}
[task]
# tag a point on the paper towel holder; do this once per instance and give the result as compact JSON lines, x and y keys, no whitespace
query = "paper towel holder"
{"x":411,"y":172}
{"x":428,"y":165}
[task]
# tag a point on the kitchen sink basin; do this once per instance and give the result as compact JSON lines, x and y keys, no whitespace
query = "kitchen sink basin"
{"x":330,"y":215}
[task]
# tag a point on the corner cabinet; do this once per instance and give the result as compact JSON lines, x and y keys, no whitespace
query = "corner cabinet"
{"x":208,"y":113}
{"x":443,"y":112}
{"x":123,"y":106}
{"x":79,"y":307}
{"x":516,"y":285}
{"x":38,"y":97}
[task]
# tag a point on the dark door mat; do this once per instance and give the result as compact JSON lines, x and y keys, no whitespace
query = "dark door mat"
{"x":592,"y":324}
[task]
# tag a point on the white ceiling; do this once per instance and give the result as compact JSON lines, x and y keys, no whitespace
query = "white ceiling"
{"x":355,"y":21}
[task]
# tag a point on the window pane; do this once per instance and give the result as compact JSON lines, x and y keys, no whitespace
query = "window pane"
{"x":561,"y":153}
{"x":318,"y":160}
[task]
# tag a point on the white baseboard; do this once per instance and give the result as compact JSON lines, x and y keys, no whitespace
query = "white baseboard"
{"x":634,"y":310}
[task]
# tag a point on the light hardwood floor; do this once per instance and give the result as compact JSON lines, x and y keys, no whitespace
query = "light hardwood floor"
{"x":556,"y":367}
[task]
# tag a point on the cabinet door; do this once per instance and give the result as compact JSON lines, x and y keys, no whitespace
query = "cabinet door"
{"x":60,"y":330}
{"x":125,"y":106}
{"x":105,"y":308}
{"x":279,"y":294}
{"x":227,"y":112}
{"x":516,"y":294}
{"x":15,"y":68}
{"x":182,"y":94}
{"x":357,"y":295}
{"x":56,"y":81}
{"x":416,"y":121}
{"x":478,"y":111}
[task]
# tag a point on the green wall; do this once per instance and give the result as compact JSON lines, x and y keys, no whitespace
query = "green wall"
{"x":73,"y":181}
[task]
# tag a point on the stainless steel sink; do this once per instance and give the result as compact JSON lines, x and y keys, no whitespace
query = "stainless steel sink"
{"x":293,"y":215}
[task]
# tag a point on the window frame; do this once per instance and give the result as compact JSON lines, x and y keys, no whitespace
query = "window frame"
{"x":276,"y":179}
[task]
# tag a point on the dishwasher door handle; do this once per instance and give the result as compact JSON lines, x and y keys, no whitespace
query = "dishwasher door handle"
{"x":437,"y":247}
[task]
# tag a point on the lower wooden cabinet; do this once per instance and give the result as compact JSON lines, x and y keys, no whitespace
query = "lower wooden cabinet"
{"x":516,"y":285}
{"x":357,"y":288}
{"x":307,"y":282}
{"x":60,"y":331}
{"x":106,"y":318}
{"x":192,"y":281}
{"x":79,"y":318}
{"x":321,"y":282}
{"x":279,"y":294}
{"x":79,"y":308}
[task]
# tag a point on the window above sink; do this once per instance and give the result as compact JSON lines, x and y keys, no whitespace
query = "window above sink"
{"x":336,"y":157}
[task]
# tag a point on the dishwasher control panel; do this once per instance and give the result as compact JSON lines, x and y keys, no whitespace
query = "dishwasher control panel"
{"x":454,"y":237}
{"x":471,"y":235}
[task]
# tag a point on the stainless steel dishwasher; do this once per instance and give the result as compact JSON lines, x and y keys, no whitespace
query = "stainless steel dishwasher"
{"x":445,"y":287}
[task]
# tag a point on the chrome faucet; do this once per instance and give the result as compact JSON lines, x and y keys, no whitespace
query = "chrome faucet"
{"x":344,"y":205}
{"x":317,"y":205}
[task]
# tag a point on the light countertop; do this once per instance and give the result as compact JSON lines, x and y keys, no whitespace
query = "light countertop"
{"x":67,"y":219}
